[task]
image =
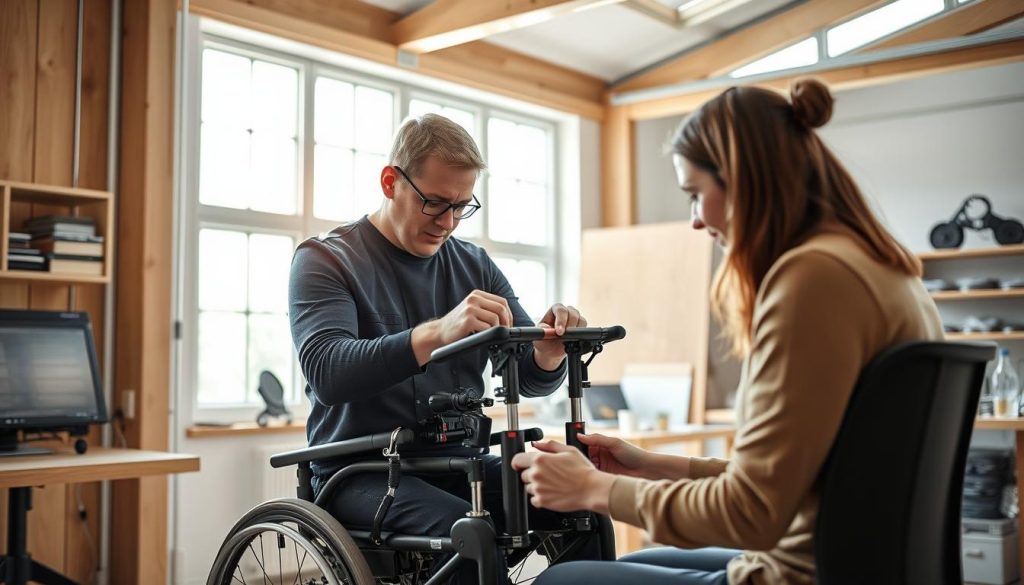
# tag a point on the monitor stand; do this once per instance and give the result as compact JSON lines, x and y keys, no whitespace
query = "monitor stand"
{"x":10,"y":447}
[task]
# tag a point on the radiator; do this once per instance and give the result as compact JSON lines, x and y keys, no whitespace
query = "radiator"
{"x":274,"y":483}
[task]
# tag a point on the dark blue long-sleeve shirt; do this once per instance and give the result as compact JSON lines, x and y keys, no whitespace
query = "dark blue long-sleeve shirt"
{"x":353,"y":300}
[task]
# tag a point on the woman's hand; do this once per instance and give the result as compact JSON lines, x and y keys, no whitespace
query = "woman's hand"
{"x":617,"y":456}
{"x":560,"y":478}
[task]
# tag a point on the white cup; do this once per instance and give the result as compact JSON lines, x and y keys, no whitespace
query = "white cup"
{"x":627,"y":421}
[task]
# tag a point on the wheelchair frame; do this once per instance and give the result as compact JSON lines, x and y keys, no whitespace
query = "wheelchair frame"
{"x":472,"y":538}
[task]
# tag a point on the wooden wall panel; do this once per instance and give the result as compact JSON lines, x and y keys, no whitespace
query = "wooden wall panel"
{"x":95,"y":95}
{"x":55,"y":118}
{"x":18,"y":20}
{"x":18,"y":27}
{"x":55,"y":92}
{"x":38,"y":54}
{"x":56,"y":48}
{"x":618,"y":171}
{"x":144,"y":252}
{"x":664,"y":306}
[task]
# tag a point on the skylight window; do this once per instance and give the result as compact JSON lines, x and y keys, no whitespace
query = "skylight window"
{"x":879,"y":23}
{"x":693,"y":12}
{"x":799,"y":55}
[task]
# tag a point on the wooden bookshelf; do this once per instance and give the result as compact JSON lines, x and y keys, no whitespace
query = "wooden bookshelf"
{"x":98,"y":205}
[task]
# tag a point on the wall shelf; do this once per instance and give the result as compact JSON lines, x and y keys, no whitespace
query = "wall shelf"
{"x":51,"y":277}
{"x":72,"y":201}
{"x":1011,"y":250}
{"x":1014,"y":336}
{"x":973,"y":295}
{"x":999,"y":424}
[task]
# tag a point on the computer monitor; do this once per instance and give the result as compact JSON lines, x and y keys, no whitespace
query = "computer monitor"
{"x":49,"y":378}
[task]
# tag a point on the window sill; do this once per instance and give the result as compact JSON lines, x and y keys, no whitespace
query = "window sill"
{"x":241,"y":429}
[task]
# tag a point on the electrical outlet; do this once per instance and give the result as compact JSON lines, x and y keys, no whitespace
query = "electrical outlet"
{"x":128,"y":403}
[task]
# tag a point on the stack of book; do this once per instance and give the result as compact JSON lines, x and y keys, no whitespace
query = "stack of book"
{"x":69,"y":244}
{"x":21,"y":255}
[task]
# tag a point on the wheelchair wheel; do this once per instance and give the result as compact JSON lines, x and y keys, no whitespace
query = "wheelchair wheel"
{"x":289,"y":541}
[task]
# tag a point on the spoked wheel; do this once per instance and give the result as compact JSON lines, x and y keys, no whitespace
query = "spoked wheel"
{"x":289,"y":542}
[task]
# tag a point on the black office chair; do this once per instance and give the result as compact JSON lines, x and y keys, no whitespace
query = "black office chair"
{"x":891,"y":487}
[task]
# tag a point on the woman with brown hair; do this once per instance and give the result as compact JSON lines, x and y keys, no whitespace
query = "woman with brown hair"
{"x":810,"y":289}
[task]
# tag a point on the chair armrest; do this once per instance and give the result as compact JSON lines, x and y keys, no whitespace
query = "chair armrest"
{"x":340,"y":448}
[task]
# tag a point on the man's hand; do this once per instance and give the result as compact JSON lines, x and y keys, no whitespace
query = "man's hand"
{"x":478,"y":311}
{"x":560,"y":478}
{"x":549,"y":354}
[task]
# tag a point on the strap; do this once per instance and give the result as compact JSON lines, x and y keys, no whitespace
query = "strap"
{"x":394,"y":477}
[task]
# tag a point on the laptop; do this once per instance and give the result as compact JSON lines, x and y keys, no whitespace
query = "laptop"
{"x":604,"y":401}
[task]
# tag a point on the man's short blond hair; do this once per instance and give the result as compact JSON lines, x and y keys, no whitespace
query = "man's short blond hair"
{"x":432,"y":135}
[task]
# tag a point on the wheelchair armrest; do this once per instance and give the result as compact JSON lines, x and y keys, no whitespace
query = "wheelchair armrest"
{"x":533,"y":434}
{"x":341,"y":448}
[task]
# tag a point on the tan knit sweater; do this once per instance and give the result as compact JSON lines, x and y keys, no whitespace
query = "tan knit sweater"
{"x":823,"y":311}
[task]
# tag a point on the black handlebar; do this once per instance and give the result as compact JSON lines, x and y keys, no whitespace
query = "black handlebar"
{"x":496,"y":335}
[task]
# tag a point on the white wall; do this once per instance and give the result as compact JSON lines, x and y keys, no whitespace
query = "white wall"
{"x":919,"y":147}
{"x":209,"y":502}
{"x":658,"y":196}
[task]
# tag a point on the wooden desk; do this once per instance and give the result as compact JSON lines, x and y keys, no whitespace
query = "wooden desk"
{"x":689,"y":433}
{"x":22,"y":473}
{"x":629,"y":538}
{"x":1016,"y":425}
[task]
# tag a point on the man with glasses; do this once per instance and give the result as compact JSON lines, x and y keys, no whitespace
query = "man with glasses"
{"x":372,"y":299}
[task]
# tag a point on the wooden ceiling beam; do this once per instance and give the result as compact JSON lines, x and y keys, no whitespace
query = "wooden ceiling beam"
{"x":478,"y":64}
{"x":850,"y":77}
{"x":970,"y":19}
{"x":447,"y":23}
{"x":749,"y":44}
{"x":656,"y":10}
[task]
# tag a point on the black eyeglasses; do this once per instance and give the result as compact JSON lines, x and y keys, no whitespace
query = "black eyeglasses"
{"x":436,"y":207}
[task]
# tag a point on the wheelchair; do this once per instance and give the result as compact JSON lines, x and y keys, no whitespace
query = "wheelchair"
{"x":296,"y":541}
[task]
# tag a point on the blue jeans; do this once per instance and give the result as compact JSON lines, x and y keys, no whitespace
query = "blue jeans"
{"x":654,"y":566}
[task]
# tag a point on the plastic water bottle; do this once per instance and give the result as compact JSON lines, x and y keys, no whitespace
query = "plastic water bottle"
{"x":986,"y":403}
{"x":1005,"y":386}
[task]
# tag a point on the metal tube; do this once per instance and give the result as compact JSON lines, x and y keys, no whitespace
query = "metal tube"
{"x":510,"y":381}
{"x":576,"y":406}
{"x":476,"y":491}
{"x":77,"y":142}
{"x":512,"y":415}
{"x":113,"y":112}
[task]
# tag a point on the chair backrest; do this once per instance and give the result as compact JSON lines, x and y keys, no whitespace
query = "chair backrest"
{"x":891,"y":487}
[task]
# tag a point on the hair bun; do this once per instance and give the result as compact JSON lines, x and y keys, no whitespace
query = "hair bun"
{"x":812,"y":102}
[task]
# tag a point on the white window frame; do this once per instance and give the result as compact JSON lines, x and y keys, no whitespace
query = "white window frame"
{"x":196,"y":216}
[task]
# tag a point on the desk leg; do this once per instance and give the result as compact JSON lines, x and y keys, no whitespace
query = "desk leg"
{"x":628,"y":538}
{"x":19,"y":568}
{"x":1019,"y":456}
{"x":17,"y":563}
